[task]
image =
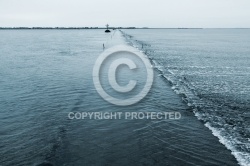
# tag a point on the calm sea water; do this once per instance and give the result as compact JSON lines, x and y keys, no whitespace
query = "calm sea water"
{"x":45,"y":74}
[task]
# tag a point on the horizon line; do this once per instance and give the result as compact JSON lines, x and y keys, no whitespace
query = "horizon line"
{"x":37,"y":27}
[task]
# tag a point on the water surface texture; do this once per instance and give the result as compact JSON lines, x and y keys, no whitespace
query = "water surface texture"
{"x":45,"y":74}
{"x":211,"y":68}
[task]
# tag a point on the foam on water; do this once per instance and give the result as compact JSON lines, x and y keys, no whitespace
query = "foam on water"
{"x":50,"y":75}
{"x":243,"y":158}
{"x":209,"y":94}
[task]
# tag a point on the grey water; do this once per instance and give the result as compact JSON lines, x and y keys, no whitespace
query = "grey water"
{"x":45,"y":74}
{"x":211,"y":68}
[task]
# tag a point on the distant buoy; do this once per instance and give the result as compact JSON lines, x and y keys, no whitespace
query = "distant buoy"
{"x":107,"y":30}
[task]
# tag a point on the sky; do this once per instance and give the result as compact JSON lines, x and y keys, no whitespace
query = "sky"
{"x":126,"y":13}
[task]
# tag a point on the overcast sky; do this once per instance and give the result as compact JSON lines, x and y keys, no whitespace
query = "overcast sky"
{"x":138,"y":13}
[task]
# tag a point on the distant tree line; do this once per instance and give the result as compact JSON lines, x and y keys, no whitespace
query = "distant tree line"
{"x":66,"y":28}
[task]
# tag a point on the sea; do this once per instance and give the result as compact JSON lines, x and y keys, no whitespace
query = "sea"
{"x":204,"y":74}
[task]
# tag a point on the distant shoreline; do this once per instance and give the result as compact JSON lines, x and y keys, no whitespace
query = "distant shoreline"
{"x":89,"y":28}
{"x":68,"y":28}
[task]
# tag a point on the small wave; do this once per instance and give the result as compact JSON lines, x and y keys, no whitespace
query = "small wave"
{"x":216,"y":116}
{"x":44,"y":164}
{"x":242,"y":158}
